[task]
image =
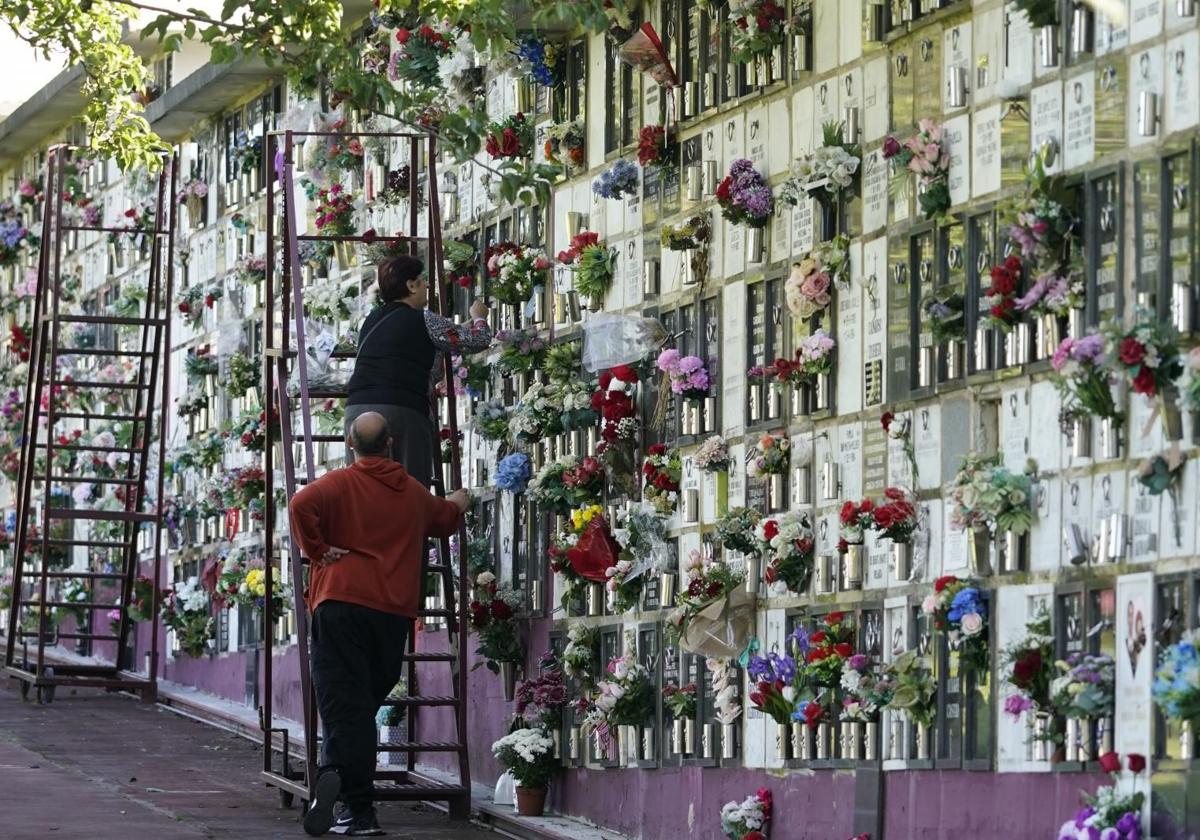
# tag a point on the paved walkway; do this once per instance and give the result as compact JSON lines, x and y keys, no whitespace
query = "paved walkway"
{"x":95,"y":766}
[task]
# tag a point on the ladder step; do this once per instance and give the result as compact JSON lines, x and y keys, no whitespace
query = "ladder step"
{"x":87,"y":415}
{"x":42,"y":445}
{"x":112,"y":386}
{"x":83,"y":605}
{"x":419,"y":792}
{"x":437,"y":613}
{"x":87,"y":575}
{"x":102,"y":351}
{"x":326,"y":395}
{"x":275,"y":352}
{"x":431,"y":657}
{"x":104,"y":515}
{"x":95,"y":637}
{"x":422,"y":701}
{"x":328,"y":438}
{"x":89,"y":479}
{"x":419,"y":746}
{"x":119,"y":320}
{"x":87,"y":543}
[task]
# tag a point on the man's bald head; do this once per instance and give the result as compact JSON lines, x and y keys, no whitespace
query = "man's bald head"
{"x":369,"y":435}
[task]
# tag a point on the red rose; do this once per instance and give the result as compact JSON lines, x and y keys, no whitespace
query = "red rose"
{"x":770,"y":529}
{"x":763,"y":22}
{"x":891,"y":148}
{"x":664,"y":482}
{"x":185,"y":308}
{"x":844,"y":649}
{"x":625,"y":373}
{"x":944,"y":581}
{"x":1013,"y":264}
{"x":1110,"y":762}
{"x":866,"y":506}
{"x":848,"y":512}
{"x":130,"y":213}
{"x":501,"y":610}
{"x":886,"y":419}
{"x":813,"y":713}
{"x":818,"y":637}
{"x":402,"y":35}
{"x":1137,"y":762}
{"x":510,"y":143}
{"x":723,"y":189}
{"x":834,"y":617}
{"x":742,"y":24}
{"x":426,"y":30}
{"x":1131,"y":351}
{"x":657,"y":449}
{"x":771,"y":574}
{"x":1144,"y":383}
{"x":1026,"y":668}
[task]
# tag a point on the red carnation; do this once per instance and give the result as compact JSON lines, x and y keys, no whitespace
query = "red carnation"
{"x":886,"y":419}
{"x":1144,"y":382}
{"x":501,"y":610}
{"x":944,"y":581}
{"x":723,"y":189}
{"x":657,"y":449}
{"x":1131,"y":351}
{"x":835,"y":617}
{"x":771,"y":574}
{"x":813,"y":713}
{"x":1026,"y":668}
{"x":818,"y":637}
{"x":844,"y":649}
{"x":402,"y":35}
{"x":770,"y":529}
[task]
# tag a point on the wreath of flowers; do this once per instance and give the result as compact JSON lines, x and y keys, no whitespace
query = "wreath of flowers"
{"x":592,"y":262}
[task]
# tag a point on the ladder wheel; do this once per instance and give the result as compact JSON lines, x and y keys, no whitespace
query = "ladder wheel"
{"x":286,"y":798}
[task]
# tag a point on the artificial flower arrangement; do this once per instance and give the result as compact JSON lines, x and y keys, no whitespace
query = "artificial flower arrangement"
{"x":944,"y":310}
{"x":614,"y":399}
{"x":1176,"y":686}
{"x":1044,"y":232}
{"x":199,"y":364}
{"x":661,"y":472}
{"x":243,"y":374}
{"x":241,"y":487}
{"x":744,"y":196}
{"x":193,"y":401}
{"x":521,"y":351}
{"x":420,"y":53}
{"x":250,"y":429}
{"x":787,"y":543}
{"x":250,"y":268}
{"x":185,"y":610}
{"x":657,"y":148}
{"x":1054,"y":293}
{"x":514,"y":271}
{"x":196,"y":298}
{"x":828,"y":649}
{"x":491,"y":420}
{"x":565,"y":145}
{"x":770,"y":456}
{"x":513,"y":472}
{"x":568,"y":483}
{"x":706,"y":585}
{"x":1085,"y":686}
{"x":686,"y":375}
{"x":1000,"y":298}
{"x":618,"y":181}
{"x":713,"y":455}
{"x":592,"y":262}
{"x":574,"y":400}
{"x":1108,"y":814}
{"x":562,"y":362}
{"x":680,"y":700}
{"x":1148,"y":355}
{"x":865,"y":691}
{"x":781,"y":688}
{"x":537,"y":415}
{"x":540,"y":700}
{"x":578,"y":656}
{"x":808,"y":288}
{"x":495,"y":618}
{"x":738,"y":531}
{"x":896,"y":517}
{"x":756,"y":27}
{"x":958,"y":609}
{"x":828,"y":170}
{"x":1162,"y":473}
{"x":471,"y":376}
{"x":1028,"y":666}
{"x":247,"y":153}
{"x":141,"y":604}
{"x":15,"y":237}
{"x":986,"y":495}
{"x":1083,"y":378}
{"x":748,"y":819}
{"x":625,"y":697}
{"x":539,"y":59}
{"x":528,"y":754}
{"x":914,"y":692}
{"x":509,"y":138}
{"x":335,"y":210}
{"x":695,"y":232}
{"x":927,"y":155}
{"x":192,"y":193}
{"x":461,"y":262}
{"x":642,"y":536}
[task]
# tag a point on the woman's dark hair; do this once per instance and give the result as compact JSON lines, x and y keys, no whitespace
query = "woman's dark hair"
{"x":395,"y":274}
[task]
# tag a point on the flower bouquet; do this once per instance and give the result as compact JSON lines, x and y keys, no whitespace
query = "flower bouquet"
{"x":565,"y":145}
{"x":715,"y":614}
{"x":250,"y":430}
{"x":1084,"y":379}
{"x":491,"y":420}
{"x":747,"y":820}
{"x":1176,"y":687}
{"x":808,"y":287}
{"x":661,"y":472}
{"x":744,"y":196}
{"x":1045,"y":223}
{"x":691,"y":234}
{"x":958,"y":609}
{"x":778,"y":684}
{"x":986,"y":495}
{"x":642,"y":538}
{"x":541,"y":699}
{"x":192,"y":193}
{"x":1085,"y":688}
{"x":243,"y":374}
{"x":420,"y":53}
{"x":563,"y":362}
{"x":335,"y":211}
{"x":574,"y":399}
{"x":618,"y":181}
{"x":1000,"y":298}
{"x":185,"y":610}
{"x":756,"y":27}
{"x":1028,"y":666}
{"x":1148,"y":355}
{"x":539,"y":59}
{"x":786,"y":540}
{"x":1054,"y":293}
{"x":568,"y":483}
{"x":247,"y":153}
{"x":657,"y":148}
{"x":737,"y":531}
{"x":926,"y":155}
{"x":770,"y":456}
{"x":512,"y":473}
{"x":536,"y":416}
{"x":914,"y":693}
{"x":895,"y":518}
{"x":521,"y":351}
{"x":578,"y":656}
{"x":826,"y":171}
{"x":866,"y":692}
{"x":14,"y":236}
{"x":944,"y":313}
{"x":713,"y":455}
{"x":593,"y":264}
{"x":680,"y":701}
{"x":495,"y":618}
{"x":686,"y":374}
{"x":509,"y":138}
{"x":250,"y":268}
{"x":625,"y":697}
{"x":528,"y":754}
{"x":141,"y":604}
{"x":514,"y":271}
{"x":814,"y":356}
{"x":1109,"y":815}
{"x":614,"y":399}
{"x":828,"y":649}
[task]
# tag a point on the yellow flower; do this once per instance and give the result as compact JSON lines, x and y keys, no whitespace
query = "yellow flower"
{"x":256,"y":582}
{"x":580,"y":517}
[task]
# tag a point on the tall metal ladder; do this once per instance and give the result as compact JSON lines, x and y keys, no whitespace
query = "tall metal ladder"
{"x":280,"y":361}
{"x":41,"y":489}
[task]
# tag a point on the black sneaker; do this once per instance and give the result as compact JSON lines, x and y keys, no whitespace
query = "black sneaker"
{"x":365,"y":824}
{"x":319,"y":817}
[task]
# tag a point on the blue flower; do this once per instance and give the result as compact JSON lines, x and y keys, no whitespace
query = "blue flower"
{"x":799,"y":638}
{"x":619,"y":180}
{"x":783,"y":666}
{"x":512,"y":473}
{"x":965,"y":602}
{"x":758,"y":668}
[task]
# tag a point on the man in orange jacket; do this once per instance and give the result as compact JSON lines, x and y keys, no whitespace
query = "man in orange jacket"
{"x":364,"y":529}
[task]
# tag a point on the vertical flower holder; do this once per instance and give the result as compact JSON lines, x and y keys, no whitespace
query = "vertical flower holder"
{"x":1118,"y":538}
{"x":802,"y":485}
{"x":1081,"y":437}
{"x":1016,"y":345}
{"x":1042,"y":727}
{"x":755,"y":400}
{"x":802,"y":400}
{"x":666,"y":589}
{"x":708,"y":416}
{"x":776,"y":493}
{"x":985,"y":347}
{"x":346,"y":256}
{"x":1075,"y":547}
{"x":595,"y":599}
{"x":922,"y":742}
{"x":822,"y":741}
{"x":689,"y":736}
{"x":1049,"y":335}
{"x":895,"y":736}
{"x":852,"y":567}
{"x":1172,"y":418}
{"x":979,"y":548}
{"x":955,"y":355}
{"x":755,"y":245}
{"x":925,"y":366}
{"x":1104,"y":736}
{"x":390,"y":735}
{"x":782,"y":737}
{"x":629,"y":746}
{"x":802,"y":745}
{"x":774,"y":403}
{"x":648,"y":744}
{"x":1072,"y":741}
{"x":1181,"y":308}
{"x":823,"y":392}
{"x":694,"y":182}
{"x":1013,"y":552}
{"x":753,"y":573}
{"x":1049,"y":46}
{"x":1076,"y":323}
{"x":870,"y":740}
{"x":722,"y":479}
{"x":830,"y":485}
{"x":595,"y":303}
{"x":728,"y":741}
{"x":901,"y":561}
{"x":1110,"y":439}
{"x":823,"y":575}
{"x":1187,"y":741}
{"x":691,"y":506}
{"x":508,"y":678}
{"x":852,"y":737}
{"x":677,"y":736}
{"x":707,"y":737}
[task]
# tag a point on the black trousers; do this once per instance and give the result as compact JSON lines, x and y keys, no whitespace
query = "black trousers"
{"x":413,"y":437}
{"x":357,"y":655}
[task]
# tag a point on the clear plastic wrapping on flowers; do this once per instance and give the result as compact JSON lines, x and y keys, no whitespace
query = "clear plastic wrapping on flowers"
{"x":611,"y":340}
{"x":723,"y":628}
{"x":323,"y":375}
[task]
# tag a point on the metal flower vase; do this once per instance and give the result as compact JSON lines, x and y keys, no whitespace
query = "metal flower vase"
{"x":852,"y":567}
{"x":901,"y":561}
{"x":508,"y":679}
{"x":347,"y":255}
{"x":666,"y":589}
{"x":980,"y":549}
{"x":755,"y":245}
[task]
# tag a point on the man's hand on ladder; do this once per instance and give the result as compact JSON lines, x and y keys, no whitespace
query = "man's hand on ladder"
{"x":461,"y":498}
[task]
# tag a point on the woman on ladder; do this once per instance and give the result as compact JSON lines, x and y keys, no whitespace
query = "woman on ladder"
{"x":400,"y":359}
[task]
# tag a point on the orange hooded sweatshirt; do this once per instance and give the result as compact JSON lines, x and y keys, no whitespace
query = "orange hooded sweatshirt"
{"x":382,"y":518}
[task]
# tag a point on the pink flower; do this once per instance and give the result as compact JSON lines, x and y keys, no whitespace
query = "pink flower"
{"x":1016,"y":705}
{"x":1062,"y":354}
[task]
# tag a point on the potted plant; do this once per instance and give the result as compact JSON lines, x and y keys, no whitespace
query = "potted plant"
{"x":528,"y":754}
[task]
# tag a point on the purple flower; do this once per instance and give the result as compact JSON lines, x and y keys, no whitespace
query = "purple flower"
{"x":1083,"y":815}
{"x":858,"y":661}
{"x":800,"y":638}
{"x":1129,"y":823}
{"x":1062,"y":354}
{"x":1035,"y":293}
{"x":758,"y":668}
{"x":1016,"y":705}
{"x":1110,"y":834}
{"x":1089,"y":349}
{"x":741,"y":165}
